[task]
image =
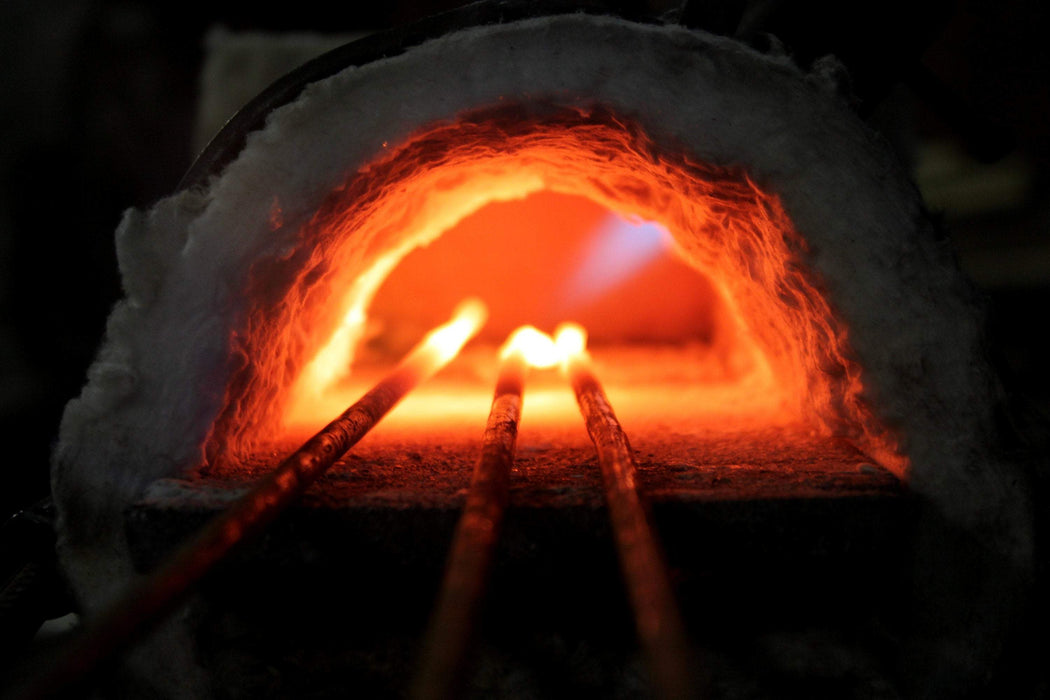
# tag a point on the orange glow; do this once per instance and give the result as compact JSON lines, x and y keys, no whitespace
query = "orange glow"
{"x":436,"y":350}
{"x":534,"y":345}
{"x":551,"y":256}
{"x":725,"y":327}
{"x":332,"y":362}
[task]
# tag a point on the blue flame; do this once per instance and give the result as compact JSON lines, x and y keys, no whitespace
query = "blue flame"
{"x":617,"y":250}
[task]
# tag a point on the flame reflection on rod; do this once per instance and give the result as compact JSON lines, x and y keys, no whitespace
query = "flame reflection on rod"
{"x":477,"y":532}
{"x":657,"y":619}
{"x":161,"y":592}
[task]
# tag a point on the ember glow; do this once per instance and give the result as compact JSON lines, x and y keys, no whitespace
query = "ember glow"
{"x":713,"y":325}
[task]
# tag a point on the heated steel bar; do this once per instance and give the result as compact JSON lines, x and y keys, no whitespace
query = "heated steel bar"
{"x":162,"y":591}
{"x":659,"y":624}
{"x":474,"y":543}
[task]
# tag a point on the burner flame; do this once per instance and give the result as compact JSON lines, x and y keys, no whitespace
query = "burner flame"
{"x":618,"y":250}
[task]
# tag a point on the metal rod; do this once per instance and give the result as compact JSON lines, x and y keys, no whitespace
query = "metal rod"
{"x":473,"y":545}
{"x":657,"y":618}
{"x":154,"y":597}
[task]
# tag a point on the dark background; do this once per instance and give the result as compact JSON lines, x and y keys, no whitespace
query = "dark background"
{"x":99,"y":99}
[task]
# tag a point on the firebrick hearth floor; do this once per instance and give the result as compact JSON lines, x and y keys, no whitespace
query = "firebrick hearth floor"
{"x":769,"y":534}
{"x":559,"y":468}
{"x":775,"y":485}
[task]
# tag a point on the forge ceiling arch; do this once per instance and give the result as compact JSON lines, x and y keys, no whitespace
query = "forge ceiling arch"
{"x":161,"y":377}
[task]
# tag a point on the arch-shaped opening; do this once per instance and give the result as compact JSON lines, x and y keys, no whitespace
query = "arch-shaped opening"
{"x":784,"y":357}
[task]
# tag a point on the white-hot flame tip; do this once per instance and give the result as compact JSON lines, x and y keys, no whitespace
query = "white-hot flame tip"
{"x":534,"y":345}
{"x":474,"y":309}
{"x":447,"y":340}
{"x":570,"y":339}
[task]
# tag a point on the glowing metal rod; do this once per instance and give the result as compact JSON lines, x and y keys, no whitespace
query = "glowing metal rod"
{"x":162,"y":591}
{"x":474,"y":542}
{"x":657,"y":619}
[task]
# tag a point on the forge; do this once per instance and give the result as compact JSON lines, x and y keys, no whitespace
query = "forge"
{"x":721,"y":325}
{"x":778,"y":322}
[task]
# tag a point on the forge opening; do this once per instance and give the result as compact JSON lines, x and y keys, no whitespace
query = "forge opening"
{"x":661,"y":330}
{"x":723,"y":327}
{"x":551,"y":257}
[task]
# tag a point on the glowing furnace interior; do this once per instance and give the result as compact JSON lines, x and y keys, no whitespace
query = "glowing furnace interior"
{"x":690,"y":279}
